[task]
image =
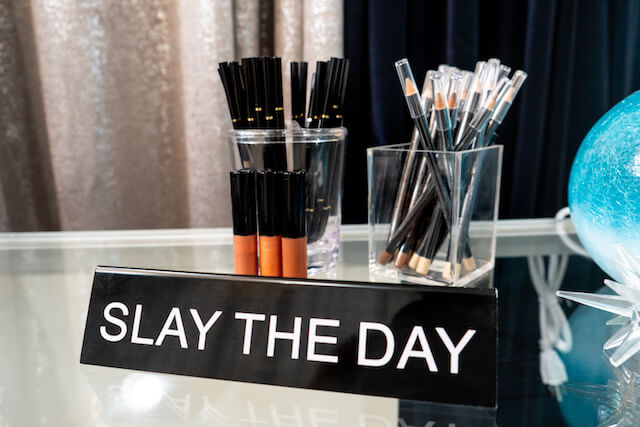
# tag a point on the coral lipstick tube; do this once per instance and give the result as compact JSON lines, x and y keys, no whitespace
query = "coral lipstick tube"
{"x":243,"y":210}
{"x":294,"y":236}
{"x":269,"y":223}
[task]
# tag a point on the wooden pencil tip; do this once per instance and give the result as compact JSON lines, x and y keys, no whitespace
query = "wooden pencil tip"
{"x":446,"y":271}
{"x":423,"y":265}
{"x":401,"y":260}
{"x":469,"y":263}
{"x":413,"y":262}
{"x":410,"y":88}
{"x":453,"y":101}
{"x":384,"y":258}
{"x":456,"y":272}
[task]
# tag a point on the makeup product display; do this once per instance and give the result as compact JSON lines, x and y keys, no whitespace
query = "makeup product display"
{"x":433,"y":203}
{"x":243,"y":208}
{"x":312,"y":141}
{"x":269,"y":205}
{"x":320,"y":154}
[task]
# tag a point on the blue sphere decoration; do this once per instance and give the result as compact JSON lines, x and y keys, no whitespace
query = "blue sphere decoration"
{"x":604,"y":185}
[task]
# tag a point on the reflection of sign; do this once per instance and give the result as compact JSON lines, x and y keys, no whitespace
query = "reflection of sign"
{"x":410,"y":342}
{"x":143,"y":399}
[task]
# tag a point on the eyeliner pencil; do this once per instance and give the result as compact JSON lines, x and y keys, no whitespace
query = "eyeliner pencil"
{"x":459,"y":237}
{"x":417,"y":113}
{"x":298,"y":91}
{"x":506,"y":97}
{"x":453,"y":98}
{"x":416,"y":144}
{"x":422,"y":181}
{"x":328,"y":89}
{"x":231,"y":78}
{"x":433,"y":239}
{"x":441,"y":111}
{"x":505,"y":104}
{"x":472,"y":100}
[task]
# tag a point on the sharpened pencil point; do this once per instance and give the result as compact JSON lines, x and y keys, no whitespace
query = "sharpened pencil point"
{"x":410,"y":88}
{"x":456,"y":272}
{"x":423,"y":265}
{"x":401,"y":260}
{"x":439,"y":103}
{"x":413,"y":262}
{"x":469,"y":263}
{"x":446,"y":271}
{"x":453,"y":101}
{"x":384,"y":258}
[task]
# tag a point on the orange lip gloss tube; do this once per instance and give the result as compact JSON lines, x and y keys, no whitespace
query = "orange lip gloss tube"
{"x":269,"y":223}
{"x":294,"y":236}
{"x":243,"y":210}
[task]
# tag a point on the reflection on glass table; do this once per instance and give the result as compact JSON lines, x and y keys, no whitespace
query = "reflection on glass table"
{"x":45,"y":282}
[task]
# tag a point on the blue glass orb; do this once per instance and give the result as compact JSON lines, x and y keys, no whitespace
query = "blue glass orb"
{"x":604,"y":185}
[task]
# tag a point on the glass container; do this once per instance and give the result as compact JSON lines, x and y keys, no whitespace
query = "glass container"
{"x":320,"y":153}
{"x":470,"y":186}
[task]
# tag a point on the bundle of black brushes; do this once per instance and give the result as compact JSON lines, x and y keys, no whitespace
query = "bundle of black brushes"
{"x":328,"y":89}
{"x":254,"y":93}
{"x":455,"y":111}
{"x":255,"y":97}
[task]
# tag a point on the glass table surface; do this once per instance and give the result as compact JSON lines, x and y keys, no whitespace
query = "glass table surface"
{"x":45,"y":283}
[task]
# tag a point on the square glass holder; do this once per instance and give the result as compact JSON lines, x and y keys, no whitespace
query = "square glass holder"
{"x":473,"y":181}
{"x":320,"y":153}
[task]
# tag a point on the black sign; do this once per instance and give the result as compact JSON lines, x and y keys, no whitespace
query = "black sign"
{"x":405,"y":341}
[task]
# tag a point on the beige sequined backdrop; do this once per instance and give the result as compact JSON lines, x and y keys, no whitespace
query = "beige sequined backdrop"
{"x":111,"y":112}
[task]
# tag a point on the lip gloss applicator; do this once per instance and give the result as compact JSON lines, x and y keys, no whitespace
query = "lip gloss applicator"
{"x":269,"y":222}
{"x":243,"y":209}
{"x":294,"y":234}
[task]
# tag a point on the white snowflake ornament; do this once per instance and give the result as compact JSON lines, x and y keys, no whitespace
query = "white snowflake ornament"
{"x":626,"y":305}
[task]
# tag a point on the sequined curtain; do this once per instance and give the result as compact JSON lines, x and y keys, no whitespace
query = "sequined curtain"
{"x":111,"y":112}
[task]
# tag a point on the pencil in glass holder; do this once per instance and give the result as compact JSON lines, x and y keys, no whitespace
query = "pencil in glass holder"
{"x":425,"y":247}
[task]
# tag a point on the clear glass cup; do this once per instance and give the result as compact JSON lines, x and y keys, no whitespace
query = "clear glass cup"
{"x":320,"y":153}
{"x":472,"y":178}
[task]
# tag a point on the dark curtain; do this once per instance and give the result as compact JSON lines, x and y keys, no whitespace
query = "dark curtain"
{"x":581,"y":56}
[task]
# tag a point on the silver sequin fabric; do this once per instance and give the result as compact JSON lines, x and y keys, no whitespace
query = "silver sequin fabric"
{"x":112,"y":113}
